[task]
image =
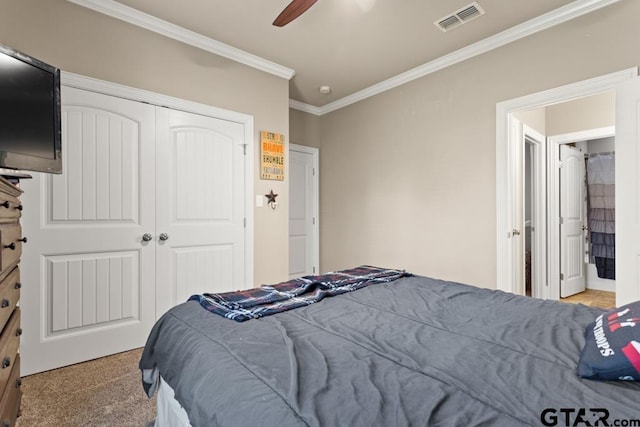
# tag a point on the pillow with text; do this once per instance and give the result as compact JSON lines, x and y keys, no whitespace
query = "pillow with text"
{"x":612,"y":348}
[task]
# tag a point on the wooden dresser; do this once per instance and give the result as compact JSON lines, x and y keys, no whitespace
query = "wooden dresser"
{"x":11,"y":240}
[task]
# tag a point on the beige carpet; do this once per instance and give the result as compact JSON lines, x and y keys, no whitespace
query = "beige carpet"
{"x":101,"y":392}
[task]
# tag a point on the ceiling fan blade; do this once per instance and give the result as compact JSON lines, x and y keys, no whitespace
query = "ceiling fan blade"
{"x":292,"y":11}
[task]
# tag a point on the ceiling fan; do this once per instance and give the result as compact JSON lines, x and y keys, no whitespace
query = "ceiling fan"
{"x":292,"y":11}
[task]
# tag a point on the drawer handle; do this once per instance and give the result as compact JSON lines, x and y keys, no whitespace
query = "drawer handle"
{"x":18,"y":285}
{"x":5,"y":303}
{"x":6,"y":205}
{"x":11,"y":246}
{"x":18,"y":332}
{"x":6,"y":362}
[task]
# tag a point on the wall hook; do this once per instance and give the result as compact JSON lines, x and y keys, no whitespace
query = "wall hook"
{"x":271,"y":199}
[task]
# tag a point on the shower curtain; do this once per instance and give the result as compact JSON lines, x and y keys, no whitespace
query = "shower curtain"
{"x":601,"y":213}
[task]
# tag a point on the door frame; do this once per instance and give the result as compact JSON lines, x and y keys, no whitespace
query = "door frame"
{"x":538,"y":236}
{"x":315,"y":154}
{"x":553,"y":161}
{"x":140,"y":95}
{"x":506,"y":194}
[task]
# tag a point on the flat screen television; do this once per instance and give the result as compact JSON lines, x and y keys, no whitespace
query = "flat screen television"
{"x":30,"y":136}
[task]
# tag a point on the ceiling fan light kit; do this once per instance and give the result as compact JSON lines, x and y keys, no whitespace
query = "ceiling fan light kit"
{"x":292,"y":11}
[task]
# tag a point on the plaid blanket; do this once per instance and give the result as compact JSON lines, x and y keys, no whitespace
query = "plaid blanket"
{"x":272,"y":299}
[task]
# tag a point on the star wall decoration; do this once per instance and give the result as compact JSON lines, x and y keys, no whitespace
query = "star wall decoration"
{"x":271,"y":199}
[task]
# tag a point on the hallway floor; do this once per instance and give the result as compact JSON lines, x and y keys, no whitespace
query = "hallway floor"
{"x":593,"y":298}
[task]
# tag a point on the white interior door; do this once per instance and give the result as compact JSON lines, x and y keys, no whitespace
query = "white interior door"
{"x":90,"y":276}
{"x":200,"y":188}
{"x":627,"y":190}
{"x":303,"y":239}
{"x":572,"y":214}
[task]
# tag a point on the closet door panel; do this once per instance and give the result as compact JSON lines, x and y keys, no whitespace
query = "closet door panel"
{"x":200,"y":184}
{"x":89,"y":277}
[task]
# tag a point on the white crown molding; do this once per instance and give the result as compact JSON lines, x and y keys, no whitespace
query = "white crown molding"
{"x":141,"y":95}
{"x":157,"y":25}
{"x":540,"y":23}
{"x":307,"y":108}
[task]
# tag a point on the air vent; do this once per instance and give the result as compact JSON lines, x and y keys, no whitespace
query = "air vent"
{"x":462,"y":16}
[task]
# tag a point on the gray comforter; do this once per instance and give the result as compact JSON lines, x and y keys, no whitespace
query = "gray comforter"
{"x":416,"y":351}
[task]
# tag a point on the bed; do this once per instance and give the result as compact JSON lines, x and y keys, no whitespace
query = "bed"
{"x":414,"y":351}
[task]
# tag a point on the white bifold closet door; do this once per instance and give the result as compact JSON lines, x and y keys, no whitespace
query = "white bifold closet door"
{"x":93,"y":285}
{"x":199,"y":205}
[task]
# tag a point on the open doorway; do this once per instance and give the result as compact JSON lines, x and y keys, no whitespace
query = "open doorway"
{"x":584,"y":197}
{"x":510,"y":151}
{"x":534,"y":214}
{"x":568,"y":247}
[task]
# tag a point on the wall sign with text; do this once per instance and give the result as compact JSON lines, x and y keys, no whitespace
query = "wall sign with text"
{"x":271,"y":155}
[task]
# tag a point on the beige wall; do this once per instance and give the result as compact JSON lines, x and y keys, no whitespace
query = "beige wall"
{"x":304,"y":128}
{"x":581,"y":114}
{"x":78,"y":40}
{"x":408,"y":176}
{"x":586,"y":113}
{"x":535,"y":119}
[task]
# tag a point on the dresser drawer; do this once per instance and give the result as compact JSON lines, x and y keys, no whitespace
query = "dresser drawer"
{"x":9,"y":295}
{"x":10,"y":400}
{"x":10,"y":208}
{"x":9,"y":343}
{"x":10,"y":245}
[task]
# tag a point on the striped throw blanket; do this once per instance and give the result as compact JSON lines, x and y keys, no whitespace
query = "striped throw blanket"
{"x":267,"y":300}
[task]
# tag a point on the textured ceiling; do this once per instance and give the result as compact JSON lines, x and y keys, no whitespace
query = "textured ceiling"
{"x":346,"y":44}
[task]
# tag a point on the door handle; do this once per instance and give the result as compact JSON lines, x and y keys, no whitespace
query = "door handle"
{"x":515,"y":232}
{"x":147,"y":237}
{"x":163,"y":236}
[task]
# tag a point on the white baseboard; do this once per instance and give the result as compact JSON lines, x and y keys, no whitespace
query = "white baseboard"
{"x":596,"y":283}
